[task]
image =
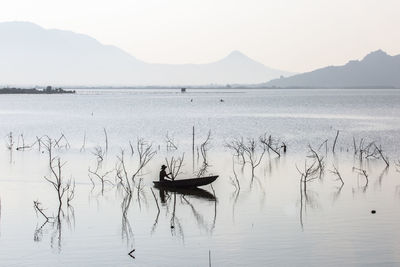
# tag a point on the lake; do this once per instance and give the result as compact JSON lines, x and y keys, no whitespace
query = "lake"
{"x":276,"y":217}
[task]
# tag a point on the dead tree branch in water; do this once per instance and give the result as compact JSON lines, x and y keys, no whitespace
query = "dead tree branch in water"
{"x":380,"y":151}
{"x":309,"y":174}
{"x":337,"y":173}
{"x":204,"y":148}
{"x":326,"y":146}
{"x":101,"y":177}
{"x":334,"y":143}
{"x":131,"y":147}
{"x":58,"y":144}
{"x":170,"y":143}
{"x":236,"y":146}
{"x":174,"y":165}
{"x":235,"y":181}
{"x":273,"y":144}
{"x":38,"y":209}
{"x":21,"y":147}
{"x":106,"y":137}
{"x":370,"y":150}
{"x":99,"y":153}
{"x":144,"y":152}
{"x":48,"y":144}
{"x":57,"y":181}
{"x":10,"y":141}
{"x":121,"y":168}
{"x":319,"y":159}
{"x":364,"y":173}
{"x":70,"y":192}
{"x":253,"y":154}
{"x":84,"y":143}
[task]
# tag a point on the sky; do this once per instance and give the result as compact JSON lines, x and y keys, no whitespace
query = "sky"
{"x":291,"y":35}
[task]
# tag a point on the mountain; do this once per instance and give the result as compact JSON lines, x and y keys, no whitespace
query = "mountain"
{"x":377,"y":69}
{"x":30,"y":54}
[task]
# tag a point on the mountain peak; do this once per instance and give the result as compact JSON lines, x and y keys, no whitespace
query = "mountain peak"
{"x":375,"y":70}
{"x":236,"y":54}
{"x":82,"y":60}
{"x":376,"y":55}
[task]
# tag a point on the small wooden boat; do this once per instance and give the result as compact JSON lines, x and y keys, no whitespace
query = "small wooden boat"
{"x":186,"y":183}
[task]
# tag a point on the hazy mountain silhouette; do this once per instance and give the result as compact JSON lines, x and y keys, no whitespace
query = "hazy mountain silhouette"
{"x":33,"y":55}
{"x":377,"y":69}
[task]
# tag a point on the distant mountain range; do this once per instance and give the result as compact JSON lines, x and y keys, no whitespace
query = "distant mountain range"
{"x":32,"y":55}
{"x":376,"y":70}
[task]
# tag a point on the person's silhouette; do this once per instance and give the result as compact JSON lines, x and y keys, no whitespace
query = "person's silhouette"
{"x":163,"y":173}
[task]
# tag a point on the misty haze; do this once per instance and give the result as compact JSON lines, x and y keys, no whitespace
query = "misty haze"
{"x":199,"y":133}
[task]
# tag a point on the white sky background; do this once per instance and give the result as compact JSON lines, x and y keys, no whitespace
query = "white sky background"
{"x":293,"y":35}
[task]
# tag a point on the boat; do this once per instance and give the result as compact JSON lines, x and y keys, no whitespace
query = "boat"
{"x":186,"y":183}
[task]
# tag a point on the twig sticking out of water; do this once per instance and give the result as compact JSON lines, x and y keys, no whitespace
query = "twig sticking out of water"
{"x":309,"y":174}
{"x":326,"y":146}
{"x":319,"y":159}
{"x":334,"y":143}
{"x":384,"y":158}
{"x":236,"y":146}
{"x":145,"y":153}
{"x":364,"y":173}
{"x":273,"y":144}
{"x":174,"y":165}
{"x":84,"y":142}
{"x":337,"y":173}
{"x":70,"y":192}
{"x":58,"y":181}
{"x":235,"y":181}
{"x":370,"y":150}
{"x":106,"y":137}
{"x":10,"y":141}
{"x":58,"y":144}
{"x":121,"y":168}
{"x":254,"y":153}
{"x":170,"y":143}
{"x":99,"y":153}
{"x":101,"y":177}
{"x":38,"y":209}
{"x":204,"y":148}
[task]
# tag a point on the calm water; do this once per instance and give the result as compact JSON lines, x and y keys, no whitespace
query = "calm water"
{"x":267,"y":222}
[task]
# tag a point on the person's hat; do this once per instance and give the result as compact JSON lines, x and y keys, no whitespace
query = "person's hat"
{"x":163,"y":166}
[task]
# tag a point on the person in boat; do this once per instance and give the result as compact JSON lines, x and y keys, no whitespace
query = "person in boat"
{"x":163,"y":173}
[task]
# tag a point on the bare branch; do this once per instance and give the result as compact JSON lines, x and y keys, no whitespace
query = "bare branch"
{"x":337,"y":173}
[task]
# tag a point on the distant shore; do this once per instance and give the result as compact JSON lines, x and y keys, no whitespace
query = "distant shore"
{"x":235,"y":86}
{"x":47,"y":90}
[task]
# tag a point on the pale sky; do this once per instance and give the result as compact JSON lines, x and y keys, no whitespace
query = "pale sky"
{"x":292,"y":35}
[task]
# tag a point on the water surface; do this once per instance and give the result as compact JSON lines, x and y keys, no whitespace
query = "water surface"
{"x":266,"y":222}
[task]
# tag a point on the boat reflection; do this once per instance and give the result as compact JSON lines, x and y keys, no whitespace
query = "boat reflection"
{"x":193,"y":192}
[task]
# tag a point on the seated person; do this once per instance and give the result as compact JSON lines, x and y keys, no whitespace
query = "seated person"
{"x":163,"y":173}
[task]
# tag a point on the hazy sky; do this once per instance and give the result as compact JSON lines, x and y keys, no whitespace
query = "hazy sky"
{"x":293,"y":35}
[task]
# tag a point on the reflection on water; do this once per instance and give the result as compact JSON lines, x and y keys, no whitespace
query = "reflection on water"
{"x":307,"y":206}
